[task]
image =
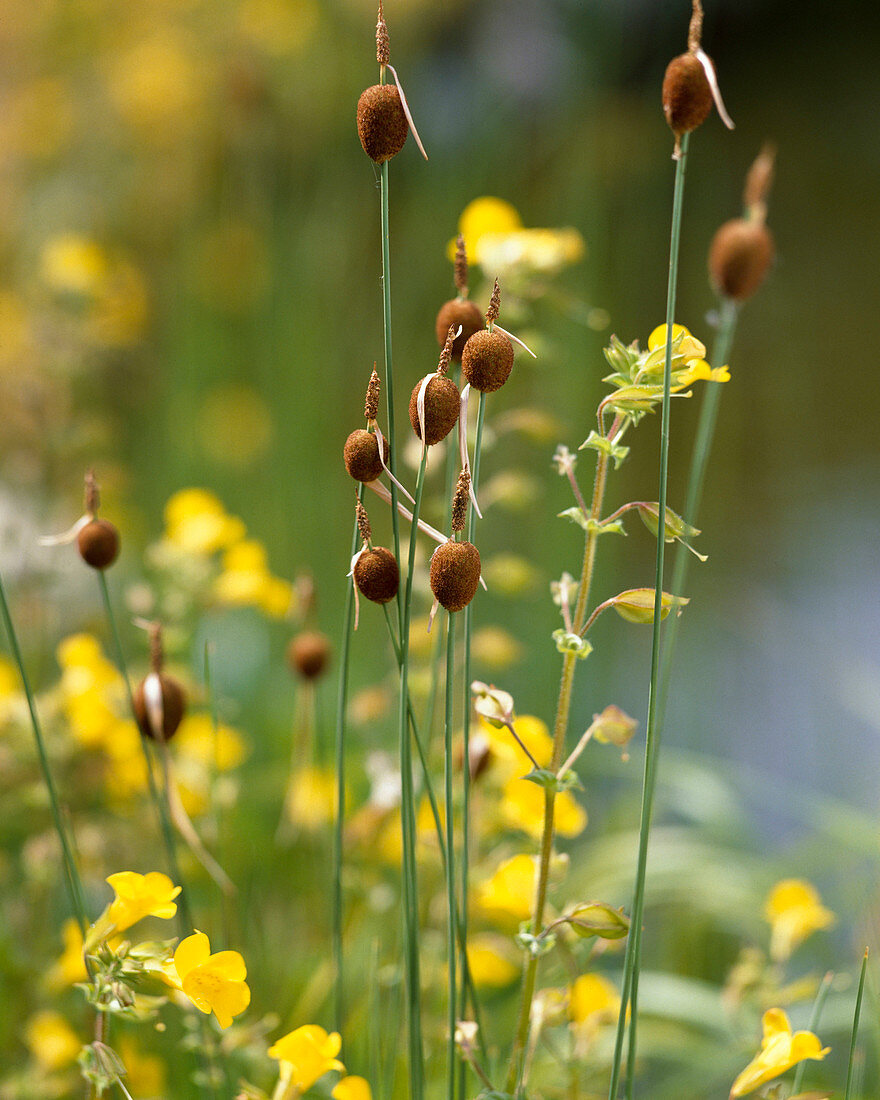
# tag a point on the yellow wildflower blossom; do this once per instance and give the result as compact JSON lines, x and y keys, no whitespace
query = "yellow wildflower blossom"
{"x":508,"y":895}
{"x":197,"y":523}
{"x":522,"y":807}
{"x":780,"y":1050}
{"x":352,"y":1088}
{"x":593,"y":1000}
{"x":214,"y":983}
{"x":69,"y":967}
{"x":73,"y":264}
{"x":306,"y":1054}
{"x":246,"y":580}
{"x":52,"y":1040}
{"x":794,"y":910}
{"x":486,"y":214}
{"x":490,"y":962}
{"x":145,"y":1074}
{"x":311,"y":798}
{"x":139,"y":896}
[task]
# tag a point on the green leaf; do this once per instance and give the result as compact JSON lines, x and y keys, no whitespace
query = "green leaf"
{"x":634,"y":398}
{"x":550,"y":781}
{"x":636,"y":605}
{"x":590,"y":525}
{"x":572,"y":643}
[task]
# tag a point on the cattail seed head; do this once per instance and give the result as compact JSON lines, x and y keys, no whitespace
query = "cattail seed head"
{"x":494,"y":305}
{"x":442,"y":404}
{"x":309,"y":654}
{"x":383,"y":45}
{"x":98,"y":543}
{"x":687,"y":95}
{"x":455,"y":574}
{"x":461,"y":267}
{"x":377,"y":575}
{"x":460,"y":500}
{"x":371,"y":403}
{"x":487,"y":360}
{"x":381,"y":122}
{"x":361,"y":455}
{"x":458,"y":312}
{"x":363,"y":522}
{"x":739,"y":258}
{"x":173,"y":705}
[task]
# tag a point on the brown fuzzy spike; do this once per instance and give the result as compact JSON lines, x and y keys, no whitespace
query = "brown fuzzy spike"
{"x":98,"y":543}
{"x":487,"y":360}
{"x":361,"y":455}
{"x":363,"y":522}
{"x":759,"y":181}
{"x":381,"y":122}
{"x":446,"y":353}
{"x":455,"y":574}
{"x":739,"y":258}
{"x":371,"y":404}
{"x":377,"y":575}
{"x":687,"y":96}
{"x":92,"y":494}
{"x":458,"y":312}
{"x":695,"y":30}
{"x":494,"y":305}
{"x":460,"y":500}
{"x":383,"y":45}
{"x":309,"y":654}
{"x":461,"y":267}
{"x":442,"y":405}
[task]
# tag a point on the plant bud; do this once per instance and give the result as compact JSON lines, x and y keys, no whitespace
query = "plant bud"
{"x":739,"y":257}
{"x":381,"y":122}
{"x":458,"y":311}
{"x":98,"y":543}
{"x":154,"y":692}
{"x":687,"y":96}
{"x":309,"y":654}
{"x":376,"y":574}
{"x":361,"y":455}
{"x":487,"y":360}
{"x":442,"y":404}
{"x":455,"y":574}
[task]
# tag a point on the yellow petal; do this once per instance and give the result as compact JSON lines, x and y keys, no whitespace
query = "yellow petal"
{"x":191,"y":952}
{"x":352,"y":1088}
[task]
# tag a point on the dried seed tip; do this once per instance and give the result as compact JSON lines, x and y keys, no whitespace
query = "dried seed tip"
{"x":446,"y":353}
{"x":157,"y":655}
{"x":442,"y":405}
{"x":168,"y":693}
{"x":371,"y":404}
{"x":376,"y":574}
{"x":687,"y":95}
{"x":361,"y":455}
{"x":98,"y":543}
{"x":458,"y":313}
{"x":381,"y":122}
{"x":363,"y":522}
{"x":695,"y":30}
{"x":739,"y":258}
{"x":460,"y":500}
{"x":92,"y":494}
{"x":308,"y":654}
{"x":494,"y":305}
{"x":455,"y":574}
{"x":487,"y":360}
{"x":383,"y":46}
{"x":759,"y":181}
{"x":461,"y":267}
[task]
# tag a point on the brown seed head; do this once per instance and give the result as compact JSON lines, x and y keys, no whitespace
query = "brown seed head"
{"x":739,"y":258}
{"x":446,"y":353}
{"x":461,"y":267}
{"x":309,"y":654}
{"x":494,"y":305}
{"x":92,"y":494}
{"x":687,"y":96}
{"x":363,"y":521}
{"x":487,"y":360}
{"x":371,"y":404}
{"x":376,"y":574}
{"x":695,"y":30}
{"x":442,"y":404}
{"x":455,"y":574}
{"x":381,"y":122}
{"x":361,"y":455}
{"x":460,"y":500}
{"x":383,"y":46}
{"x":758,"y":183}
{"x":173,"y":706}
{"x":98,"y":543}
{"x":458,"y":312}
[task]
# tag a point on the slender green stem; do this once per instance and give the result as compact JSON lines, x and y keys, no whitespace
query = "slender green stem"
{"x":407,"y":823}
{"x":341,"y":703}
{"x":452,"y":908}
{"x":815,"y":1015}
{"x":71,"y":872}
{"x":632,"y":960}
{"x":855,"y":1027}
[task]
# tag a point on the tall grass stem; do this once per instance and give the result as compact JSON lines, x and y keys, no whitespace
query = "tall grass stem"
{"x":855,"y":1027}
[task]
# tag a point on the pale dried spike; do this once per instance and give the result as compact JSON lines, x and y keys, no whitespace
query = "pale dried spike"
{"x":446,"y":353}
{"x":695,"y":30}
{"x":380,"y":440}
{"x":357,"y":606}
{"x":406,"y":111}
{"x":461,"y":267}
{"x":515,"y":339}
{"x":759,"y":181}
{"x":371,"y":403}
{"x":157,"y":656}
{"x":420,"y":406}
{"x":383,"y":44}
{"x":709,"y":70}
{"x":384,"y":494}
{"x":494,"y":305}
{"x":434,"y":606}
{"x":154,"y":705}
{"x":462,"y":443}
{"x":460,"y":500}
{"x":92,"y":495}
{"x":66,"y":537}
{"x":363,"y":522}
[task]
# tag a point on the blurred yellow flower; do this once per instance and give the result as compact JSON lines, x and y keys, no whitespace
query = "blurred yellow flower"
{"x":51,"y":1040}
{"x":144,"y":1073}
{"x":495,"y":239}
{"x":522,"y":807}
{"x":235,"y":426}
{"x":352,"y":1088}
{"x":495,"y":648}
{"x":74,"y":264}
{"x":780,"y":1050}
{"x":593,"y":1000}
{"x":70,"y":967}
{"x":276,"y":26}
{"x":533,"y":733}
{"x":196,"y":522}
{"x":306,"y":1054}
{"x":222,"y":749}
{"x":214,"y":983}
{"x":246,"y":580}
{"x":311,"y":798}
{"x":508,"y":895}
{"x":794,"y":910}
{"x":490,"y":962}
{"x":139,"y":896}
{"x":486,"y":214}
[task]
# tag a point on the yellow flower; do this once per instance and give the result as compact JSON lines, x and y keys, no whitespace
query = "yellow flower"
{"x":481,"y":216}
{"x":593,"y":1000}
{"x":508,"y":895}
{"x":52,"y":1040}
{"x":196,"y":522}
{"x":689,"y":348}
{"x":74,"y":265}
{"x":780,"y":1050}
{"x":311,"y":798}
{"x":144,"y":1073}
{"x":794,"y":910}
{"x":533,"y":733}
{"x":214,"y":983}
{"x":522,"y":807}
{"x":70,"y":967}
{"x":139,"y":896}
{"x":489,"y":962}
{"x":352,"y":1088}
{"x":246,"y":580}
{"x":539,"y":250}
{"x":306,"y":1054}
